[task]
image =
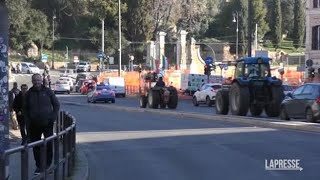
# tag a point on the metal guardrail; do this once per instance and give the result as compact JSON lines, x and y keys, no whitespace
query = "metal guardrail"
{"x":65,"y":135}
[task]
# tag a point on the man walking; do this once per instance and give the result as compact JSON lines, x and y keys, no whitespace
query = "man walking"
{"x":42,"y":107}
{"x":18,"y":104}
{"x":12,"y":94}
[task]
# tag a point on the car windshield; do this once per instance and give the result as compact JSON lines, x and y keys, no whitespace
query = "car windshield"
{"x":287,"y":88}
{"x":256,"y":70}
{"x":215,"y":87}
{"x":82,"y":63}
{"x":99,"y":88}
{"x":62,"y":82}
{"x":32,"y":65}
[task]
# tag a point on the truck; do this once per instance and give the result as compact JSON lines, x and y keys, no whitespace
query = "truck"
{"x":252,"y":88}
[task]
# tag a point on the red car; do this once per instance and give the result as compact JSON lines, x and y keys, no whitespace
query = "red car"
{"x":86,"y":85}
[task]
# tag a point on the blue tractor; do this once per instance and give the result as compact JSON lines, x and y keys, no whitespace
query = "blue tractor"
{"x":252,"y":88}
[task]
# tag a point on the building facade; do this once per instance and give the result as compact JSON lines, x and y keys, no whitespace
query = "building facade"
{"x":313,"y":31}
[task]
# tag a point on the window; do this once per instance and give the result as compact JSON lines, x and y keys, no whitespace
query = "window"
{"x":308,"y":90}
{"x":316,"y":37}
{"x":316,"y":3}
{"x":298,"y":91}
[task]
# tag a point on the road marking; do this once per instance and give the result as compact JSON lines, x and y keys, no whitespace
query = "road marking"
{"x":89,"y":137}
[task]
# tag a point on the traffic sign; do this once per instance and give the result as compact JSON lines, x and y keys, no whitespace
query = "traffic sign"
{"x":223,"y":66}
{"x":100,"y":55}
{"x":75,"y":59}
{"x":209,"y":60}
{"x":44,"y":58}
{"x":309,"y":62}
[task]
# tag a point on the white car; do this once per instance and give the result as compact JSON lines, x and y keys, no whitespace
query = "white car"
{"x":206,"y":94}
{"x":69,"y":80}
{"x":83,"y":67}
{"x":29,"y":68}
{"x":62,"y":87}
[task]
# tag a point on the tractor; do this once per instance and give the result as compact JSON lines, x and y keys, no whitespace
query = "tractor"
{"x":155,"y":96}
{"x":252,"y":88}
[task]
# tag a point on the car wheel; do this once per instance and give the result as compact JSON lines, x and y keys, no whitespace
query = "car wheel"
{"x":208,"y":101}
{"x":283,"y":114}
{"x":68,"y":92}
{"x":113,"y":101}
{"x":88,"y":101}
{"x":28,"y":71}
{"x":195,"y":101}
{"x":309,"y":115}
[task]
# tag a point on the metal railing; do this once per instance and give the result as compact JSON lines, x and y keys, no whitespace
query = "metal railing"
{"x":63,"y":162}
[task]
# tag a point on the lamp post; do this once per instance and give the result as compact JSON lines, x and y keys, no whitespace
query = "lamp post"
{"x":52,"y":62}
{"x":236,"y":20}
{"x":119,"y":4}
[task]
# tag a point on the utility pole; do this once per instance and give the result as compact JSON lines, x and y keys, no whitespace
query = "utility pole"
{"x":52,"y":62}
{"x":249,"y":28}
{"x":4,"y":86}
{"x":119,"y":73}
{"x":102,"y":48}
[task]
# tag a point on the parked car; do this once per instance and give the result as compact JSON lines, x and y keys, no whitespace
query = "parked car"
{"x":101,"y":93}
{"x":29,"y":68}
{"x":62,"y":87}
{"x":304,"y":102}
{"x":206,"y":94}
{"x":81,"y":76}
{"x":87,"y":85}
{"x":84,"y":67}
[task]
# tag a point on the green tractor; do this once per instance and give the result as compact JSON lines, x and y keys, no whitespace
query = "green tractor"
{"x":252,"y":88}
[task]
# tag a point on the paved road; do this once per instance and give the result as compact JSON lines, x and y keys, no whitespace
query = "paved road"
{"x":132,"y":145}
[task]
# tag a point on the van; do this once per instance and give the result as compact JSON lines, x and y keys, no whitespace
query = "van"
{"x":117,"y":84}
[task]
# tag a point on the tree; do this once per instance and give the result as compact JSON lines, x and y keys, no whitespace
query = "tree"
{"x":259,"y":16}
{"x":275,"y":25}
{"x":298,"y":24}
{"x":36,"y":28}
{"x":139,"y":20}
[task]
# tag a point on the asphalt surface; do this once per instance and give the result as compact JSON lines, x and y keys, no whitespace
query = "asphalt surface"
{"x":134,"y":145}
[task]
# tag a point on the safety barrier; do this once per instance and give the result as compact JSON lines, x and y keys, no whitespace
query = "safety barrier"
{"x":133,"y":90}
{"x":63,"y":163}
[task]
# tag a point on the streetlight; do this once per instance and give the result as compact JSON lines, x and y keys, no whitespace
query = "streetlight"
{"x":52,"y":62}
{"x":236,"y":20}
{"x":119,"y":4}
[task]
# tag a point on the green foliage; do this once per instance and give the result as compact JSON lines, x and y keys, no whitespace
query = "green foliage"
{"x":275,"y":25}
{"x":259,"y":14}
{"x":298,"y":24}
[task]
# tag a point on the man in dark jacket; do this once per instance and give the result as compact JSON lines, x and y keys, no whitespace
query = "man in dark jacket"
{"x":42,"y":107}
{"x":12,"y":94}
{"x":18,"y":104}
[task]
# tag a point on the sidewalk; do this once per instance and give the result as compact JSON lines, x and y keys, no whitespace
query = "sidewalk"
{"x":80,"y":172}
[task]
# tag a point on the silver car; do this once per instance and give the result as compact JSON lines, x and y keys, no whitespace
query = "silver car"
{"x":304,"y":102}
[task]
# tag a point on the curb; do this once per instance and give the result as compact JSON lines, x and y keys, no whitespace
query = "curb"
{"x":81,"y":170}
{"x":263,"y":122}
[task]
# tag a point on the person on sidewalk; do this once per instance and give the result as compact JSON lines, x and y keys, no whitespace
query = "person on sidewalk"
{"x":18,"y":105}
{"x":41,"y":109}
{"x":12,"y":94}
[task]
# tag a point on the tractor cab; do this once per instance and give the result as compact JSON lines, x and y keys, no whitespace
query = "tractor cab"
{"x":253,"y":68}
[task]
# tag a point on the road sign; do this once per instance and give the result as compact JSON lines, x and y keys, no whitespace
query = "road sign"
{"x":223,"y":66}
{"x":75,"y":59}
{"x":309,"y":62}
{"x":111,"y":60}
{"x":100,"y":55}
{"x":209,"y":60}
{"x":44,"y":58}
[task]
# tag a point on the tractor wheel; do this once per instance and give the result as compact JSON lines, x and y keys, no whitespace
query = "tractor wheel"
{"x":239,"y":99}
{"x":173,"y":101}
{"x":273,"y":108}
{"x":255,"y":110}
{"x":222,"y":102}
{"x":153,"y":99}
{"x":143,"y":101}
